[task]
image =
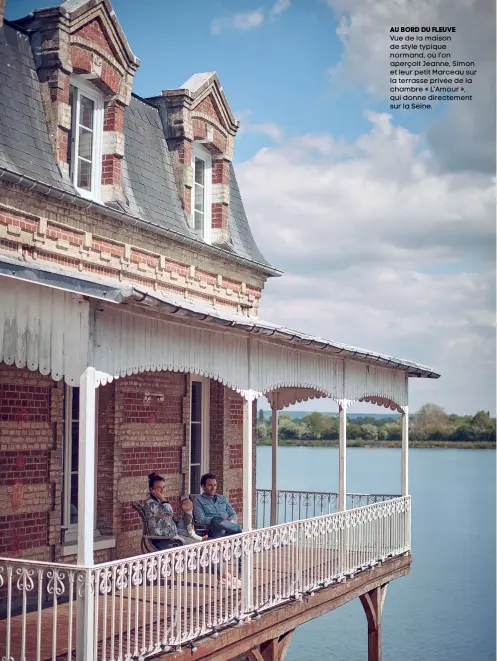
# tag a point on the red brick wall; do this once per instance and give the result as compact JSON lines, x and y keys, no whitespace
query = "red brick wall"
{"x":27,"y":466}
{"x":131,"y":444}
{"x":216,"y":432}
{"x":24,"y":403}
{"x":106,"y":479}
{"x":30,"y":463}
{"x":226,"y":443}
{"x":165,"y":461}
{"x":19,"y":532}
{"x":149,"y":437}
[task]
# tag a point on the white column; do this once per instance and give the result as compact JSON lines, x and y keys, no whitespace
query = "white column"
{"x":342,"y":455}
{"x":247,"y":464}
{"x":247,"y":555}
{"x":86,"y":509}
{"x":274,"y":473}
{"x":86,"y":472}
{"x":405,"y":451}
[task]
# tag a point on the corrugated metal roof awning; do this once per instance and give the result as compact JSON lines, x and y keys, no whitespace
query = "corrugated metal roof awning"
{"x":109,"y":290}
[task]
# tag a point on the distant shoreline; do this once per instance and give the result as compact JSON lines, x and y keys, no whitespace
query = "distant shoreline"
{"x":359,"y":443}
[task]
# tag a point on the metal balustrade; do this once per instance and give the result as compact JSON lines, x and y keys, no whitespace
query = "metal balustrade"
{"x":140,"y":606}
{"x":296,"y":505}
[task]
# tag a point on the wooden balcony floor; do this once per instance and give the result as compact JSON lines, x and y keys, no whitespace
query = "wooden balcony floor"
{"x":198,"y":597}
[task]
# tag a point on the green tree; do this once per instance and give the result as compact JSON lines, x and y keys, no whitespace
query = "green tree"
{"x":287,"y":428}
{"x":330,"y":428}
{"x":316,"y":422}
{"x":369,"y":432}
{"x":262,"y":434}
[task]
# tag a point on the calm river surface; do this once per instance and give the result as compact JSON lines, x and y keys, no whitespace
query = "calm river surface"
{"x":445,"y":609}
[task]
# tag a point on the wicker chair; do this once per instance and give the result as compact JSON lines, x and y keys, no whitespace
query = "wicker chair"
{"x":147,"y":539}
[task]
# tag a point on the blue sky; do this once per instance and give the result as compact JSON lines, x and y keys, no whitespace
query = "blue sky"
{"x":278,"y":71}
{"x":383,"y":224}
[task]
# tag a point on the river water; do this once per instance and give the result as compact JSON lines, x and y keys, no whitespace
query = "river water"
{"x":445,"y":609}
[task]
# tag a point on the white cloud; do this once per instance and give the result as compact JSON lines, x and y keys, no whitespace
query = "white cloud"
{"x":248,"y":20}
{"x":464,"y":138}
{"x":241,"y":21}
{"x":271,"y":129}
{"x":279,"y":7}
{"x":383,"y":250}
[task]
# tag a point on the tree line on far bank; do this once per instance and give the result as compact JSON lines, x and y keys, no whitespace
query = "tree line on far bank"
{"x":431,"y":423}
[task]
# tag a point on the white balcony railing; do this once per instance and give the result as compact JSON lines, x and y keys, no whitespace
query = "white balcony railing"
{"x":296,"y":505}
{"x":147,"y":604}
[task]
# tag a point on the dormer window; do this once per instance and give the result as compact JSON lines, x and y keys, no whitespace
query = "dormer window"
{"x":85,"y":138}
{"x":202,"y":192}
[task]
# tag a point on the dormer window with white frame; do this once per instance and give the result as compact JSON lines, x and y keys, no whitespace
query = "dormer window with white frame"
{"x":85,"y":138}
{"x":202,"y":192}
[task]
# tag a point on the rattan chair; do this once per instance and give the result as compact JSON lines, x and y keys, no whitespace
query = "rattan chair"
{"x":147,"y":539}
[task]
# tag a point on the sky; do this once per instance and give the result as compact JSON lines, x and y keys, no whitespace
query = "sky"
{"x":382,"y":222}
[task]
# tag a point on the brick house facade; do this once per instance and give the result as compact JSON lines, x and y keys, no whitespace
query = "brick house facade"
{"x":123,"y":211}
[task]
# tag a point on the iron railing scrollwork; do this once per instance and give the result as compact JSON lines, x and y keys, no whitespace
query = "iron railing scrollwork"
{"x":149,"y":604}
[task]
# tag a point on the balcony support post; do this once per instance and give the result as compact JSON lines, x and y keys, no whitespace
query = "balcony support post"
{"x":274,"y":464}
{"x":86,"y":512}
{"x":343,"y":404}
{"x":405,"y":451}
{"x":372,"y":603}
{"x":247,"y":555}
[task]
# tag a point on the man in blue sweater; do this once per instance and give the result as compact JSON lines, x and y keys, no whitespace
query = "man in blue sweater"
{"x":214,"y":510}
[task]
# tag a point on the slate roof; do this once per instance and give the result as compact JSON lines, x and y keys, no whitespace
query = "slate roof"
{"x":25,"y":147}
{"x":148,"y":178}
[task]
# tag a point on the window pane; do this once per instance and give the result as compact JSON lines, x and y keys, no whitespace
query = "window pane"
{"x":85,"y":143}
{"x":199,"y":198}
{"x":196,"y":402}
{"x":199,"y":171}
{"x":75,"y":403}
{"x":199,"y":221}
{"x":73,"y":518}
{"x":196,"y":443}
{"x":84,"y":175}
{"x":74,"y":446}
{"x":70,"y":155}
{"x":195,"y":479}
{"x":86,"y":107}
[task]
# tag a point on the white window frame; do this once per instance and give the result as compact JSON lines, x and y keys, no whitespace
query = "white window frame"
{"x":201,"y":153}
{"x":86,"y":89}
{"x":205,"y":422}
{"x":71,"y":529}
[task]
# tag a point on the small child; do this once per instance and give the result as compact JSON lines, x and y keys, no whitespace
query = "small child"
{"x":185,"y":522}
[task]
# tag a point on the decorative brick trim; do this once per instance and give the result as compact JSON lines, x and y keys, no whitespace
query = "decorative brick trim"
{"x":93,"y":31}
{"x":220,"y":171}
{"x":39,"y":238}
{"x":208,"y":107}
{"x":114,"y":117}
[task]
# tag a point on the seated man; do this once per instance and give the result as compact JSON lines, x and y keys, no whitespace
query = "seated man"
{"x":214,"y":510}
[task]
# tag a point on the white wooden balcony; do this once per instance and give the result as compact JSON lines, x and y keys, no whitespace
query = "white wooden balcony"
{"x":172,"y":600}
